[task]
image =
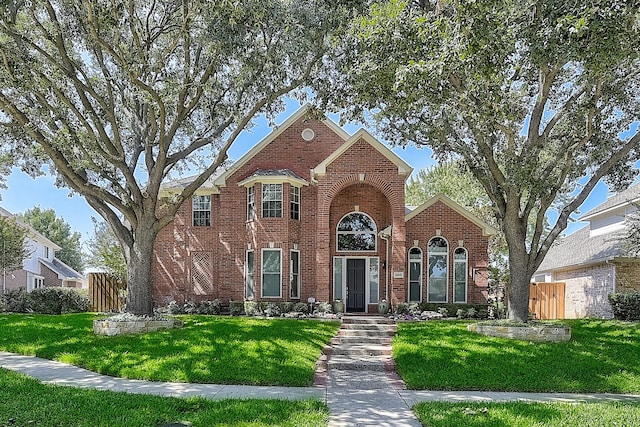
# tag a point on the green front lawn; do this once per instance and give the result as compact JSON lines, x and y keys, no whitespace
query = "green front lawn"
{"x":27,"y":402}
{"x":208,"y":349}
{"x":521,"y":414}
{"x":602,"y":356}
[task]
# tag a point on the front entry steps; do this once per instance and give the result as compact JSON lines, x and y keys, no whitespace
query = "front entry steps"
{"x":359,"y":357}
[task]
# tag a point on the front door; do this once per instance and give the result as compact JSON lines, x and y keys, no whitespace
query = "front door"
{"x":355,"y":285}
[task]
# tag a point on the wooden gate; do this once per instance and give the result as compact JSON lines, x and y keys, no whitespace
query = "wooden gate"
{"x":104,"y":292}
{"x":546,"y":301}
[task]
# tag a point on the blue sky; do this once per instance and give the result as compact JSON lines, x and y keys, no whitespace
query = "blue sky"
{"x":25,"y":193}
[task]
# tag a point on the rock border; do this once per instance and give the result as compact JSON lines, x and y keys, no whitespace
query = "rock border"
{"x":535,"y":333}
{"x":113,"y":327}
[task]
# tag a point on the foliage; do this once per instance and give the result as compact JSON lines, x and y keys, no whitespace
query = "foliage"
{"x":105,"y":252}
{"x":56,"y":229}
{"x":119,"y":97}
{"x":208,"y":349}
{"x":402,"y":308}
{"x":301,"y":307}
{"x":56,"y":300}
{"x":324,"y":307}
{"x":625,"y":306}
{"x":29,"y":402}
{"x":538,"y":99}
{"x":15,"y":301}
{"x":631,"y":238}
{"x":286,"y":307}
{"x":525,"y":414}
{"x":235,"y":308}
{"x":251,"y":308}
{"x":602,"y":356}
{"x":272,"y":309}
{"x":14,"y":248}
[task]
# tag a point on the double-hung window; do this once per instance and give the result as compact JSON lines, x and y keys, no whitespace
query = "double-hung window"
{"x":272,"y":200}
{"x":201,"y":207}
{"x":272,"y":273}
{"x":251,"y":203}
{"x":295,"y":202}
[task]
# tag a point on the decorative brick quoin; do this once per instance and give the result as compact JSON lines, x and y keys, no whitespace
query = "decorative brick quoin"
{"x":313,"y":212}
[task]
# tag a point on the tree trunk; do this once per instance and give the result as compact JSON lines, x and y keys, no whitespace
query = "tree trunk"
{"x":518,"y":290}
{"x":139,"y":285}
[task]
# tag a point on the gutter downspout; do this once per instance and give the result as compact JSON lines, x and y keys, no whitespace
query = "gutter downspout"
{"x":384,"y":234}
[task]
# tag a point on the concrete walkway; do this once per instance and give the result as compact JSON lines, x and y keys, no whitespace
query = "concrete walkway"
{"x":349,"y":405}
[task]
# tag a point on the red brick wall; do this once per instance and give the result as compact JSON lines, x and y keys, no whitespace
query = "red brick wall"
{"x":453,"y":228}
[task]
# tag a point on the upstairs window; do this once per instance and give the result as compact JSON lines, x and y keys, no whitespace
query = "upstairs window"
{"x":356,"y":232}
{"x":295,"y":202}
{"x":251,"y":203}
{"x":272,"y":200}
{"x":201,"y":207}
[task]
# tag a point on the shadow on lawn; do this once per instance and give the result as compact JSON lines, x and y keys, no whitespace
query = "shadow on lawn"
{"x":207,"y":349}
{"x":602,"y":356}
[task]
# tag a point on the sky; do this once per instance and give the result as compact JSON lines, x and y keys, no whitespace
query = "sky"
{"x":24,"y":193}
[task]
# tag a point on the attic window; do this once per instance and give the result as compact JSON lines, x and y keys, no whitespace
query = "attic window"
{"x":308,"y":134}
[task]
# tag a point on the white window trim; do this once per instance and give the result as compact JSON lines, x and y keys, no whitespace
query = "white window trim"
{"x":246,"y":273}
{"x":420,"y":278}
{"x":374,"y":232}
{"x":262,"y":272}
{"x":367,"y":279}
{"x":193,"y":211}
{"x":466,"y":274}
{"x":446,"y":254}
{"x":251,"y":202}
{"x":262,"y":211}
{"x":298,"y":200}
{"x":299,"y":284}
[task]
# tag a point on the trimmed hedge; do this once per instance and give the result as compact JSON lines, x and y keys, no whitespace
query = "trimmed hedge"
{"x":47,"y":300}
{"x":625,"y":306}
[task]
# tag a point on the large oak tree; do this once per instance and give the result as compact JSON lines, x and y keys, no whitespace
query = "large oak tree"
{"x":118,"y":95}
{"x":539,"y":98}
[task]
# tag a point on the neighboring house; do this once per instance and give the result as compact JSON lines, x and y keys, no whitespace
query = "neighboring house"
{"x":313,"y":212}
{"x":592,"y":262}
{"x":41,"y":268}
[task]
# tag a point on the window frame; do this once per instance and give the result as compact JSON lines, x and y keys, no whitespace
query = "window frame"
{"x":445,"y":254}
{"x":262,"y":273}
{"x":420,"y":263}
{"x":294,"y":202}
{"x":269,"y":204}
{"x":294,"y":273}
{"x":249,"y":274}
{"x":464,"y":261}
{"x":373,"y":233}
{"x":198,"y":209}
{"x":251,"y":203}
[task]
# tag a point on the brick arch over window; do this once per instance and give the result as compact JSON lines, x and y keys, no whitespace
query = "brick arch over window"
{"x":377,"y":182}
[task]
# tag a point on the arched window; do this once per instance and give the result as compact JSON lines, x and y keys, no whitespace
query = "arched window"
{"x":460,"y":275}
{"x":438,"y":251}
{"x":356,"y":232}
{"x":415,"y":275}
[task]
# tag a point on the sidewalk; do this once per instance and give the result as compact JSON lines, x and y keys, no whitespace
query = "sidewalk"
{"x":392,"y":404}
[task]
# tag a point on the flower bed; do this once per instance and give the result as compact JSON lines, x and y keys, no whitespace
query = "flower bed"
{"x":536,"y":333}
{"x":129,"y":324}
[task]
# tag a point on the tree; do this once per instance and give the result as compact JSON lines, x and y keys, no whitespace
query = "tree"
{"x":119,"y":96}
{"x":45,"y":222}
{"x":630,"y":237}
{"x":13,"y":246}
{"x":538,"y":98}
{"x":105,"y":251}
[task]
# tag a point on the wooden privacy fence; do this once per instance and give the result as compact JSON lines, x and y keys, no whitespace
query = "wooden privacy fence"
{"x":104,"y":292}
{"x":546,"y":300}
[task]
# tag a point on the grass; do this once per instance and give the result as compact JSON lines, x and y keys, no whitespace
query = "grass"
{"x":602,"y":356}
{"x":208,"y":349}
{"x":522,"y":414}
{"x":26,"y":402}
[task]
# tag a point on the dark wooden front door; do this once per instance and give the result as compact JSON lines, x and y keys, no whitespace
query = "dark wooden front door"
{"x":355,"y":285}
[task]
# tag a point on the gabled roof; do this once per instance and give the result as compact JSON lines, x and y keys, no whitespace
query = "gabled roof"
{"x":580,"y":249}
{"x":487,"y":230}
{"x":403,"y":167}
{"x":177,"y":185}
{"x":273,"y":176}
{"x":63,"y":271}
{"x":33,"y":234}
{"x":622,"y":198}
{"x":302,"y":112}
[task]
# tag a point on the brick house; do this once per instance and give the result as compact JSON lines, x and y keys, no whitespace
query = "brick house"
{"x":313,"y":212}
{"x":592,"y":262}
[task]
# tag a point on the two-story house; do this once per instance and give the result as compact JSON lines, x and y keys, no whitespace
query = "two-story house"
{"x":313,"y":212}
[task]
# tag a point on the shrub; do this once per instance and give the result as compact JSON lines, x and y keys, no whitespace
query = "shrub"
{"x":402,"y":308}
{"x":472,"y":313}
{"x":286,"y":307}
{"x":625,"y":306}
{"x":461,"y":313}
{"x":55,"y":300}
{"x":272,"y":310}
{"x":414,"y":309}
{"x":189,"y":307}
{"x":16,"y":301}
{"x":174,"y":307}
{"x":443,"y":311}
{"x":235,"y":308}
{"x":325,"y":307}
{"x":301,"y":307}
{"x":251,"y":308}
{"x":210,"y":307}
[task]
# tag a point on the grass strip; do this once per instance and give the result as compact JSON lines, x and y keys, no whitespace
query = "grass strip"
{"x":523,"y":414}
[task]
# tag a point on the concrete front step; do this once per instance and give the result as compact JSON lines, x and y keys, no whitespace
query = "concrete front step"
{"x":369,"y":326}
{"x":363,"y":380}
{"x":366,"y":333}
{"x":361,"y":363}
{"x":359,"y":350}
{"x":360,"y":340}
{"x":376,"y":320}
